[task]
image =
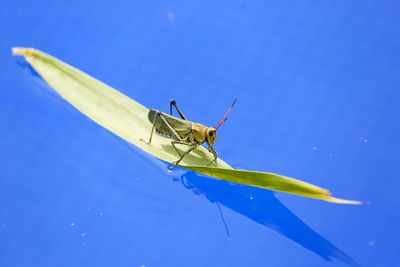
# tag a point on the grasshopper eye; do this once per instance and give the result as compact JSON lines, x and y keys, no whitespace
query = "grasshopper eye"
{"x":211,"y":135}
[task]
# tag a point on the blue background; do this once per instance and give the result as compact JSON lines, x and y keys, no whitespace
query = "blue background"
{"x":318,"y":86}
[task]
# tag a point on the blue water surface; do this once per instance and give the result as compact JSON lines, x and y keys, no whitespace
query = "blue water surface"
{"x":319,"y":92}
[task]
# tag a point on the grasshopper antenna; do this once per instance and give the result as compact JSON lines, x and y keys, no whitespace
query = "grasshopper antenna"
{"x":225,"y":117}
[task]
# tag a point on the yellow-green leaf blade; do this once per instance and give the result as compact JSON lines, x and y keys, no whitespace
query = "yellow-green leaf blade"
{"x":271,"y":181}
{"x":128,"y":119}
{"x":108,"y":107}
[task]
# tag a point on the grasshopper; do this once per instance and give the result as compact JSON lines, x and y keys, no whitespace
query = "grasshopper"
{"x":182,"y":131}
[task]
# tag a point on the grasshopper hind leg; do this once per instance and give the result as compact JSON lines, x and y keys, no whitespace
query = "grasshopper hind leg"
{"x":182,"y":156}
{"x":158,"y":114}
{"x":173,"y":103}
{"x":152,"y":128}
{"x":173,"y":142}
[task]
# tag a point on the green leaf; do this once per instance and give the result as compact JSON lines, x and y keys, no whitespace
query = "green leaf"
{"x":128,"y":119}
{"x":271,"y":181}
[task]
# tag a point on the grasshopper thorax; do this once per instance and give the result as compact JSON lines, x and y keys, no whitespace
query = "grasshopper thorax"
{"x":211,"y":134}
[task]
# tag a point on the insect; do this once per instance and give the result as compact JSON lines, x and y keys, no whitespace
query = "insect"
{"x":182,"y":131}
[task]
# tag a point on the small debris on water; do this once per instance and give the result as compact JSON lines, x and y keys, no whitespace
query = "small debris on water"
{"x":171,"y":17}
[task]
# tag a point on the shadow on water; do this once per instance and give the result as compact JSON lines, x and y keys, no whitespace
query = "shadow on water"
{"x":26,"y":66}
{"x":264,"y":208}
{"x":37,"y":79}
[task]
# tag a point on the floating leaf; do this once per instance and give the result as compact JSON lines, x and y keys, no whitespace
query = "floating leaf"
{"x":128,"y":119}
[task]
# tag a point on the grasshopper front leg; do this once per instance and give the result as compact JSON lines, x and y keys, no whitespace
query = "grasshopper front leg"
{"x":212,"y":150}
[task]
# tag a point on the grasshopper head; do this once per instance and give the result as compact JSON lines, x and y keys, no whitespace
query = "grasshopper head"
{"x":211,"y":134}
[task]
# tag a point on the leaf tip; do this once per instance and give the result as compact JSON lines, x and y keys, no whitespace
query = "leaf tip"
{"x":22,"y":51}
{"x":344,"y":201}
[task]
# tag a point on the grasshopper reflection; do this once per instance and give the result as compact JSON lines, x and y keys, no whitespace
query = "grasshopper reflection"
{"x":182,"y":131}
